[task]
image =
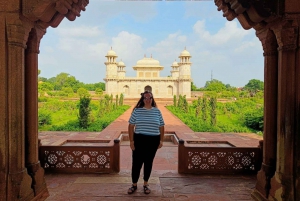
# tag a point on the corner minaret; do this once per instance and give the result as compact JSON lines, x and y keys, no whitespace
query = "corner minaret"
{"x":175,"y":70}
{"x":111,"y":72}
{"x":184,"y":87}
{"x":121,"y":70}
{"x":111,"y":64}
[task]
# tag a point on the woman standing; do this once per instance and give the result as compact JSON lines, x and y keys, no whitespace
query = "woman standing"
{"x":146,"y":135}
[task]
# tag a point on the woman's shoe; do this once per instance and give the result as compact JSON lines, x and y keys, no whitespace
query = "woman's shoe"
{"x":146,"y":189}
{"x":132,"y":189}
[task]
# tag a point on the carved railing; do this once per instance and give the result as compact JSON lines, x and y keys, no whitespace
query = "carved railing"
{"x":218,"y":160}
{"x":81,"y":159}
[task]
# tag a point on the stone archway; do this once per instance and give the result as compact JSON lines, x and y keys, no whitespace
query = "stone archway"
{"x":126,"y":90}
{"x":170,"y":90}
{"x":23,"y":23}
{"x":148,"y":88}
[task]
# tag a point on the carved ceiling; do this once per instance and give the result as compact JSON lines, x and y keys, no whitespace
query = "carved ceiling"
{"x":250,"y":13}
{"x":52,"y":12}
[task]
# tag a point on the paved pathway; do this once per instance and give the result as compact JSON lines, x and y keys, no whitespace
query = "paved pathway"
{"x":165,"y":182}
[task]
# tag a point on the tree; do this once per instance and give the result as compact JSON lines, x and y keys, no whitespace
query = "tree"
{"x":71,"y":82}
{"x":84,"y":111}
{"x":61,"y":79}
{"x":174,"y":100}
{"x":214,"y":85}
{"x":213,"y":112}
{"x":43,"y":79}
{"x":68,"y":90}
{"x":180,"y":101}
{"x":185,"y":105}
{"x":82,"y":92}
{"x":254,"y":86}
{"x":204,"y":109}
{"x":52,"y":80}
{"x":117,"y":100}
{"x":121,"y":99}
{"x":193,"y":87}
{"x":100,"y":85}
{"x":99,"y":91}
{"x":230,"y":88}
{"x":45,"y":86}
{"x":198,"y":107}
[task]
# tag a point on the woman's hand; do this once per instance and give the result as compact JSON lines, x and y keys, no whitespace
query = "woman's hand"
{"x":160,"y":144}
{"x":132,"y":145}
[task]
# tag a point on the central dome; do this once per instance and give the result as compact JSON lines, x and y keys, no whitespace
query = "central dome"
{"x":147,"y":62}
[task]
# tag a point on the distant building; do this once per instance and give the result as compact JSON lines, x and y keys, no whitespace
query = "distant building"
{"x":148,"y":77}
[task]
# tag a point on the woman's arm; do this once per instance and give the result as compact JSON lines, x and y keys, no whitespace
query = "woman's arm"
{"x":162,"y":134}
{"x":130,"y":133}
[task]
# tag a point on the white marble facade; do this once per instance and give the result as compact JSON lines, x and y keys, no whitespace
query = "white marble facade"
{"x":148,"y":77}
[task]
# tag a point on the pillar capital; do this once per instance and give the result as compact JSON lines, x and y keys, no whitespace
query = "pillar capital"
{"x":18,"y":29}
{"x":268,"y":41}
{"x":34,"y":39}
{"x":286,"y":35}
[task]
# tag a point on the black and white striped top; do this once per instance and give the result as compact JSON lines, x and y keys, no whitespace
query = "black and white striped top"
{"x":147,"y":121}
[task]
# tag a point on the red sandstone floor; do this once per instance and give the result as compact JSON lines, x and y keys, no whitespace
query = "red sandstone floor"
{"x":165,"y":182}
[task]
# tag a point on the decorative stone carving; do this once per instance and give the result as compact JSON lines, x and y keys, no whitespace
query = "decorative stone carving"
{"x":268,"y":41}
{"x":16,"y":33}
{"x":238,"y":6}
{"x":35,"y":42}
{"x":245,"y":21}
{"x":53,"y":12}
{"x":286,"y":35}
{"x":227,"y":11}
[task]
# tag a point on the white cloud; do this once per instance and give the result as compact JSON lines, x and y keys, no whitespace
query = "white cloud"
{"x":230,"y":32}
{"x":140,"y":11}
{"x":79,"y":31}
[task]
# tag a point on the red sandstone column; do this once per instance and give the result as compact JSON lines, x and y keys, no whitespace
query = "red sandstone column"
{"x":18,"y":181}
{"x":116,"y":154}
{"x":3,"y":109}
{"x":297,"y":146}
{"x":267,"y":171}
{"x":282,"y":184}
{"x":181,"y":157}
{"x":31,"y":113}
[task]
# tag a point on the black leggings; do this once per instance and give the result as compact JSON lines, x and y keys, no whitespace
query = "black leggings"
{"x":144,"y":153}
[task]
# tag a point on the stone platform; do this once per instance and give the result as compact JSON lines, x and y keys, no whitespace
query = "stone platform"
{"x":165,"y":182}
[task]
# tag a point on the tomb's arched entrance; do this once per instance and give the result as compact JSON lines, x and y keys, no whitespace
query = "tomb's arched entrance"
{"x":23,"y":24}
{"x":148,"y":88}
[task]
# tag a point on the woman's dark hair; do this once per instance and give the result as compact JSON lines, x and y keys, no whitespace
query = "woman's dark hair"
{"x":141,"y":103}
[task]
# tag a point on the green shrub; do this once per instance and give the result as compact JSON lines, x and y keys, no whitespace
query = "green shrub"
{"x":44,"y":118}
{"x":84,"y":111}
{"x":254,"y":119}
{"x":42,"y":99}
{"x":69,"y":126}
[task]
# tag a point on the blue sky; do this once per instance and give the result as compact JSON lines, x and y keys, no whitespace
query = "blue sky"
{"x":161,"y":28}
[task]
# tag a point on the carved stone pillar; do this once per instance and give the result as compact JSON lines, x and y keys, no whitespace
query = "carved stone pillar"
{"x":297,"y":145}
{"x":31,"y":113}
{"x":18,"y":181}
{"x":283,"y":183}
{"x":267,"y":171}
{"x":3,"y":108}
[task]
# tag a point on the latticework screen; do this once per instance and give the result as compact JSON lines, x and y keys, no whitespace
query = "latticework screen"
{"x":77,"y":158}
{"x":220,"y":160}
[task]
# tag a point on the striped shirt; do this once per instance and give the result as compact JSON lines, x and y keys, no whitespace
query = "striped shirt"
{"x":147,"y":121}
